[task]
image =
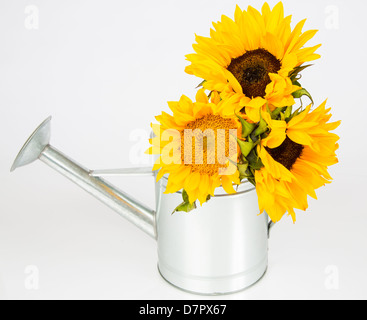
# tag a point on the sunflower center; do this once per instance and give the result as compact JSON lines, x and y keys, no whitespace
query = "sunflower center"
{"x":252,"y":71}
{"x":205,"y":144}
{"x":287,"y":153}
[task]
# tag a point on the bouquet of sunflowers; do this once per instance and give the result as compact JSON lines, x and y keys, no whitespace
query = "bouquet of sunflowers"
{"x":244,"y":122}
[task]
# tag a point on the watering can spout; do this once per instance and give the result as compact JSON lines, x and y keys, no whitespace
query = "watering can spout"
{"x":38,"y":147}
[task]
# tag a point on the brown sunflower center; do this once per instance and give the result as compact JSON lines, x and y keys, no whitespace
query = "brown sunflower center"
{"x":287,"y":153}
{"x":252,"y":71}
{"x":205,"y":143}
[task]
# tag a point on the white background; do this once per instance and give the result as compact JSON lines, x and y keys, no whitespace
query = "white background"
{"x":103,"y":70}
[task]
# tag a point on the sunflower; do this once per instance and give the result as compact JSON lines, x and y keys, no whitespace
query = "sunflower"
{"x":295,"y":156}
{"x":253,"y":56}
{"x":200,"y":167}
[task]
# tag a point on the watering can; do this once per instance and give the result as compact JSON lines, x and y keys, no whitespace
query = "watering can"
{"x":219,"y":248}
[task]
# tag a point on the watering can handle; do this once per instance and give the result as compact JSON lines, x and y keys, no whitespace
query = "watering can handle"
{"x":141,"y":172}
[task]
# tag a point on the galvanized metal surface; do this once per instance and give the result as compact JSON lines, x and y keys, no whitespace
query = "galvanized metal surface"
{"x":124,"y":172}
{"x":38,"y":147}
{"x":218,"y":248}
{"x":35,"y":144}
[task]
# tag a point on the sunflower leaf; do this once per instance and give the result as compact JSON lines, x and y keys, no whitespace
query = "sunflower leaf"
{"x":302,"y":92}
{"x":247,"y":127}
{"x":252,"y":180}
{"x":294,"y":73}
{"x":242,"y":169}
{"x":185,"y":196}
{"x":295,"y":113}
{"x":200,"y":84}
{"x":254,"y":161}
{"x":288,"y":112}
{"x":245,"y":147}
{"x":277,"y":111}
{"x":185,"y":206}
{"x":263,"y":127}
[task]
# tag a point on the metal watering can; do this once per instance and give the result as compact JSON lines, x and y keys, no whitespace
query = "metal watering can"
{"x":219,"y":248}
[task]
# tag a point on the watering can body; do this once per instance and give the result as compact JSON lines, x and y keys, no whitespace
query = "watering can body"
{"x":218,"y":248}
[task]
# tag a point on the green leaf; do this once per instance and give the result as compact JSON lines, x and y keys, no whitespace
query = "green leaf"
{"x":252,"y":180}
{"x":242,"y":168}
{"x":185,"y":196}
{"x":297,"y":112}
{"x":288,"y":112}
{"x":276,"y":113}
{"x":185,"y":206}
{"x":302,"y":92}
{"x":200,"y":84}
{"x":294,"y":73}
{"x":244,"y":171}
{"x":247,"y":128}
{"x":254,"y":161}
{"x":245,"y":147}
{"x":263,"y":127}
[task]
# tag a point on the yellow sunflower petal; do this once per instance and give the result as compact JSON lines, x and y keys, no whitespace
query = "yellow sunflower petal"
{"x":229,"y":57}
{"x":299,"y":165}
{"x":201,"y":96}
{"x":227,"y":185}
